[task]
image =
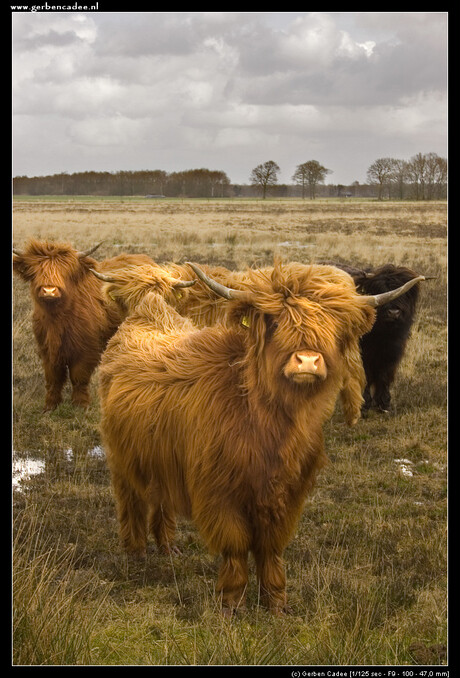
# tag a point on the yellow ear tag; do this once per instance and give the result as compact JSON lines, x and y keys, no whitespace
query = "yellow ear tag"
{"x":178,"y":294}
{"x":245,"y":321}
{"x":112,"y":296}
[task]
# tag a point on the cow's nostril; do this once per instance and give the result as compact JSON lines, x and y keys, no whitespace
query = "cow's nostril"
{"x":49,"y":291}
{"x":307,"y":365}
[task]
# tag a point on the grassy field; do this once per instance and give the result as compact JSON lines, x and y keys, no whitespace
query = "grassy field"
{"x":367,"y":568}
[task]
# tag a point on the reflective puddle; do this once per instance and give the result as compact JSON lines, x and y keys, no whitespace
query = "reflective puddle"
{"x":24,"y":468}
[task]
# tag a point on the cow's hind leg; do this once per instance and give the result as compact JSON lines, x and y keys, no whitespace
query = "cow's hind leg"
{"x":132,"y":515}
{"x":162,"y":525}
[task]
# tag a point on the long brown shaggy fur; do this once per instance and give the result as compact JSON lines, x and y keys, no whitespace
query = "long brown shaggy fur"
{"x":206,"y":308}
{"x":204,"y":423}
{"x":71,"y":328}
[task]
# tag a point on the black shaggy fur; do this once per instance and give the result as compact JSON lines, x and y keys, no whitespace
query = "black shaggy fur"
{"x":383,"y":347}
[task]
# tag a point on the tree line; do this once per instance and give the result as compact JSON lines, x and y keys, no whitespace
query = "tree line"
{"x":423,"y":177}
{"x":194,"y":183}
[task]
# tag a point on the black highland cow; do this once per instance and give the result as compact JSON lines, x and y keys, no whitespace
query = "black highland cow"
{"x":383,"y":347}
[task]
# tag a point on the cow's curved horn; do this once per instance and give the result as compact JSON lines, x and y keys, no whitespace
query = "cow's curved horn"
{"x":18,"y":253}
{"x":180,"y":284}
{"x":102,"y":276}
{"x":384,"y":298}
{"x":86,"y":253}
{"x":218,"y":288}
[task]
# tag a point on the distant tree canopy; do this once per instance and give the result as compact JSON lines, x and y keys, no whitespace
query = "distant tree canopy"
{"x":310,"y":174}
{"x":265,"y":175}
{"x":194,"y":183}
{"x":423,"y":177}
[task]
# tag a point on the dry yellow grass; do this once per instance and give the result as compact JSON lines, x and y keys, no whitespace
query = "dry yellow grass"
{"x":247,"y":231}
{"x":367,"y":568}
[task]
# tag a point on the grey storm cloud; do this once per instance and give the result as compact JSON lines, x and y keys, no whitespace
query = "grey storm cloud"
{"x":226,"y":90}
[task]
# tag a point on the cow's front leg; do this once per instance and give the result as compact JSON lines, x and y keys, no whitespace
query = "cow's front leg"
{"x":232,"y":581}
{"x":382,"y":396}
{"x":383,"y":381}
{"x":367,"y":399}
{"x":55,"y":377}
{"x":272,"y":580}
{"x":80,"y":375}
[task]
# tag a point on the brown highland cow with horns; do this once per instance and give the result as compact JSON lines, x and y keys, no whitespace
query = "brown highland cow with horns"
{"x":72,"y":319}
{"x":223,"y":425}
{"x":128,"y":286}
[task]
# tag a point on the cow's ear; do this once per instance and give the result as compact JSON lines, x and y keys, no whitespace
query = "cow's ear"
{"x":19,"y":267}
{"x":87,"y":263}
{"x":244,"y":316}
{"x":259,"y":325}
{"x":360,"y":281}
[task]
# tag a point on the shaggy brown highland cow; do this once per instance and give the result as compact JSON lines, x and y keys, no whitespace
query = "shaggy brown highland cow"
{"x":72,"y":319}
{"x":205,"y":308}
{"x":128,"y":287}
{"x":223,"y":424}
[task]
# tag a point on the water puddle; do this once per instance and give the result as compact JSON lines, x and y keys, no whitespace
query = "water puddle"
{"x":406,"y":466}
{"x":295,"y":243}
{"x":25,"y":467}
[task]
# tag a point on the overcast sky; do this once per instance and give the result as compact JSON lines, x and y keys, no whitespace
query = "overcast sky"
{"x":227,"y":90}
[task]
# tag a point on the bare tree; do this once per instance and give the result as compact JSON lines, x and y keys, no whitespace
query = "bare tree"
{"x":417,"y":168}
{"x":380,"y":173}
{"x":436,"y":176}
{"x":310,"y":174}
{"x":427,"y":173}
{"x":399,"y":177}
{"x":264,"y":176}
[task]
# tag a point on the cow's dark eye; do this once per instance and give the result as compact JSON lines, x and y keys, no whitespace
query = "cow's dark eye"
{"x":271,"y":326}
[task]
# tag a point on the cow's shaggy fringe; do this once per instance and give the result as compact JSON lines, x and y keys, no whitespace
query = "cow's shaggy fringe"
{"x":205,"y":308}
{"x":203,"y":422}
